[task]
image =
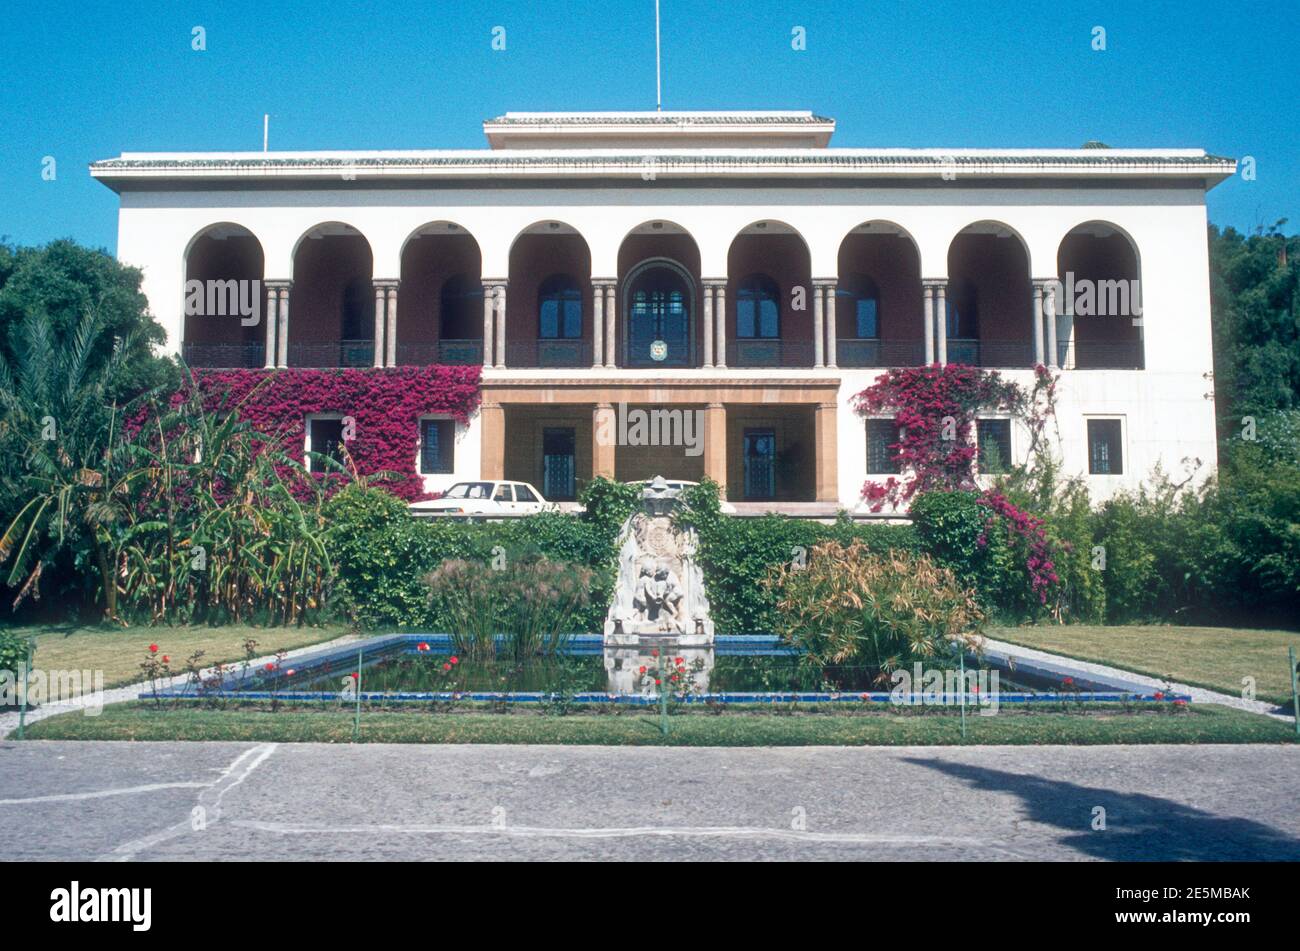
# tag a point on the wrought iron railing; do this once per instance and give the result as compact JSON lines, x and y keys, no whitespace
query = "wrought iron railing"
{"x":453,"y":352}
{"x":224,"y":355}
{"x":861,"y":352}
{"x":769,"y":353}
{"x":344,"y":353}
{"x":549,"y":353}
{"x":1108,"y":355}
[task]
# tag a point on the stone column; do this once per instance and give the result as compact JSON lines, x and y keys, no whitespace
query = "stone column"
{"x":715,"y":444}
{"x":379,"y":324}
{"x":488,"y":330}
{"x":709,"y":332}
{"x":492,"y":417}
{"x":941,"y":321}
{"x":604,"y":440}
{"x":611,"y":292}
{"x":390,"y":337}
{"x":1038,"y":323}
{"x":720,"y":318}
{"x":269,"y":317}
{"x":282,"y":353}
{"x":928,"y":290}
{"x":500,"y":294}
{"x":819,"y":327}
{"x":1051,"y":289}
{"x":832,"y":342}
{"x":1053,"y":359}
{"x":597,"y":324}
{"x":827,"y":462}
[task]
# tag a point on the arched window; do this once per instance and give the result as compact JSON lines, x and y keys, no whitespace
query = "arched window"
{"x":461,"y":308}
{"x":658,"y":317}
{"x":758,"y":311}
{"x":858,"y":297}
{"x":559,"y":308}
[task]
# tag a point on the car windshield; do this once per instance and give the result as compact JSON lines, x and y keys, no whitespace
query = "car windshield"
{"x":469,"y":490}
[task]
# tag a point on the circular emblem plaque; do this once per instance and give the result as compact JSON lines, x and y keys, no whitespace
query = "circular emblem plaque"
{"x":658,"y":350}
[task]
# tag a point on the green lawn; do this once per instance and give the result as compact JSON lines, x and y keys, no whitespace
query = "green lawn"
{"x":118,"y":651}
{"x":139,"y":721}
{"x":1213,"y":657}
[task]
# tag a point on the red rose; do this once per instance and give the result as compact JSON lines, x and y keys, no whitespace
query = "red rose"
{"x":454,"y":659}
{"x":422,"y":646}
{"x":446,"y":666}
{"x":290,"y":672}
{"x":153,"y":648}
{"x":166,"y":659}
{"x":270,"y":667}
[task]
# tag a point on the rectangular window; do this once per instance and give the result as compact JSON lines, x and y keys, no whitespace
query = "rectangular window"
{"x":1105,"y":450}
{"x":558,"y":468}
{"x":882,"y":438}
{"x":760,"y":464}
{"x":993,"y":438}
{"x":437,"y":446}
{"x":324,"y":437}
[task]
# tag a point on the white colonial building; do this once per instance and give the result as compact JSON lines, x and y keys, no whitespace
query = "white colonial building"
{"x":728,"y":264}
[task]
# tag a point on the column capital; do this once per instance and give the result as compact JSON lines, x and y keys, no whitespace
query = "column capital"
{"x":715,"y":406}
{"x":1045,"y":282}
{"x":825,"y":281}
{"x":278,"y":283}
{"x":386,"y":282}
{"x":714,"y":281}
{"x":828,"y":405}
{"x":494,"y":282}
{"x":604,"y":282}
{"x":934,"y":282}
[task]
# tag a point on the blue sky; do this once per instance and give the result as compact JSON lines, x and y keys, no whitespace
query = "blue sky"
{"x":90,"y":79}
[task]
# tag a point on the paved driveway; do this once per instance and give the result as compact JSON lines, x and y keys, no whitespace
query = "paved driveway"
{"x":205,"y":801}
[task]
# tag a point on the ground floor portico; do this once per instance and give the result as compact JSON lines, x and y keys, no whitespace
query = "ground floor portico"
{"x":769,"y":440}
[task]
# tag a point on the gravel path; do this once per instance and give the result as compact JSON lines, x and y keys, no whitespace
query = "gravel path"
{"x":319,"y":802}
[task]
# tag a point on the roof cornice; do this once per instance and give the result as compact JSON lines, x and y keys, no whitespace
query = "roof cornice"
{"x":177,"y":171}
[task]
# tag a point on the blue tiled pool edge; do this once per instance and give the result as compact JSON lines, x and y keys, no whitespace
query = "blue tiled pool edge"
{"x":1089,"y":687}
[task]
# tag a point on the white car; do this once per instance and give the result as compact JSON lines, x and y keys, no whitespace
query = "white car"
{"x":677,"y":486}
{"x":484,"y":497}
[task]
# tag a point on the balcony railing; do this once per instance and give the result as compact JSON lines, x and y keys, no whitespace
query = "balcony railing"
{"x":1121,"y":355}
{"x":549,"y":353}
{"x":451,"y":352}
{"x":990,"y":353}
{"x":769,"y":353}
{"x":862,"y":352}
{"x":225,"y":356}
{"x":344,"y":353}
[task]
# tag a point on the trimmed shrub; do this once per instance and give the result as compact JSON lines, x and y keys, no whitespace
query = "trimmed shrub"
{"x":737,"y":554}
{"x":383,"y":555}
{"x":849,"y":606}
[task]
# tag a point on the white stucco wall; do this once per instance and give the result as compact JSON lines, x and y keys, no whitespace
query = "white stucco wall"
{"x":1167,"y":417}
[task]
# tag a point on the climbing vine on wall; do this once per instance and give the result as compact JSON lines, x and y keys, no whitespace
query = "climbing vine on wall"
{"x":385,"y":406}
{"x":935,"y":409}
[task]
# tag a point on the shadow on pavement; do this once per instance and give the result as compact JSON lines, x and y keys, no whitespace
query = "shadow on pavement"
{"x":1138,"y":827}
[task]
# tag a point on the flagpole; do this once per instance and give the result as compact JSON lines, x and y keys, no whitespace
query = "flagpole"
{"x":659,"y":95}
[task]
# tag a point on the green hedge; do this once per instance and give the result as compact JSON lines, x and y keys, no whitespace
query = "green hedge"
{"x":737,"y":553}
{"x":382,"y":554}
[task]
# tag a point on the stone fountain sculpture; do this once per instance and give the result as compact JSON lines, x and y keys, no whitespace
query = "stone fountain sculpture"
{"x":659,"y":600}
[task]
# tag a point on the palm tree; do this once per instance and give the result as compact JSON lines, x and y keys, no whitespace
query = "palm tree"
{"x":62,"y":464}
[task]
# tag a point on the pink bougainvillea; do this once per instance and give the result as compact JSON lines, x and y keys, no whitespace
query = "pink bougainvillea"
{"x":935,"y":409}
{"x":1028,"y":530}
{"x":386,"y":405}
